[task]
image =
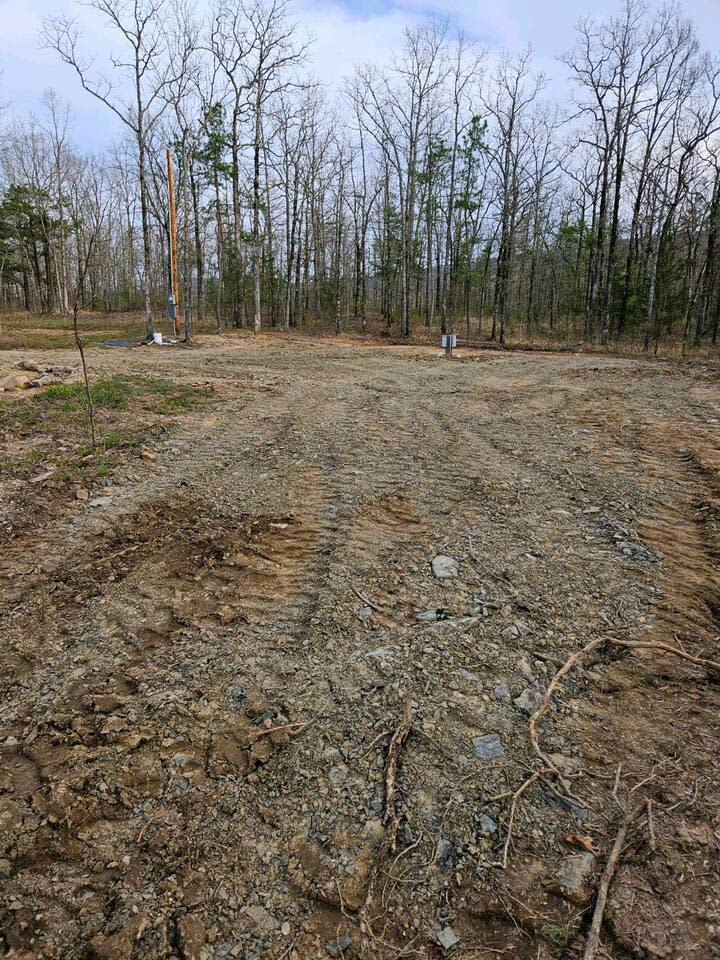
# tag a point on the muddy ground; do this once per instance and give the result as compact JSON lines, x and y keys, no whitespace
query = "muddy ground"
{"x":206,"y":665}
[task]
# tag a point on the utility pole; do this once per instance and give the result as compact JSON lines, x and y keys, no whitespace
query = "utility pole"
{"x":173,"y":245}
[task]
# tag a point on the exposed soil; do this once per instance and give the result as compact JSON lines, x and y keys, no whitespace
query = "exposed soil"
{"x":202,"y":674}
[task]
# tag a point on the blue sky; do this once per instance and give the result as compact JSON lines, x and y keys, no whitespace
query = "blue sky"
{"x":346,"y":32}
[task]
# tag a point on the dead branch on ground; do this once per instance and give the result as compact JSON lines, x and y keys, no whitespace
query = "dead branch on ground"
{"x":712,"y":665}
{"x":593,"y":939}
{"x":368,"y":603}
{"x":545,"y":702}
{"x":388,"y":843}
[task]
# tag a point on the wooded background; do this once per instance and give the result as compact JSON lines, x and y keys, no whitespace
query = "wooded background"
{"x":441,"y":191}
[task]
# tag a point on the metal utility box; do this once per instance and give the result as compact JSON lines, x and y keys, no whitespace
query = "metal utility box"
{"x":449,"y":340}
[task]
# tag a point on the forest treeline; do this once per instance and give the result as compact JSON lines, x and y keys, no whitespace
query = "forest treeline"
{"x":443,"y":190}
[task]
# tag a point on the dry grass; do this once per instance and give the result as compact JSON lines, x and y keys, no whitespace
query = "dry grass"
{"x":23,"y":331}
{"x":20,"y":330}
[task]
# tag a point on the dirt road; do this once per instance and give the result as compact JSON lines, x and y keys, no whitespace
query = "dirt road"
{"x":202,"y":675}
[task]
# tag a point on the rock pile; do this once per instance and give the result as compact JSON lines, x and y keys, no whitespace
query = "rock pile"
{"x":39,"y":375}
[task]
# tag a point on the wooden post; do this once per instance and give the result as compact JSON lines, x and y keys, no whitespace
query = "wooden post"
{"x":173,"y":242}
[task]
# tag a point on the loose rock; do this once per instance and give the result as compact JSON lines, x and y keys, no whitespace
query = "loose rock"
{"x":528,"y":701}
{"x":489,"y":746}
{"x":572,"y":874}
{"x":336,"y":948}
{"x":447,"y":938}
{"x":262,"y":918}
{"x":501,"y":692}
{"x":120,"y":945}
{"x":191,"y":937}
{"x":445,"y":568}
{"x":486,"y":825}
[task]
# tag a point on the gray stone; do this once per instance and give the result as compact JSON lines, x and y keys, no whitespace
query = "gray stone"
{"x":336,"y":948}
{"x":525,"y":669}
{"x":427,"y":615}
{"x":528,"y":701}
{"x":486,"y":825}
{"x":564,"y":764}
{"x":489,"y":746}
{"x":445,"y":853}
{"x":338,"y":775}
{"x":447,"y":938}
{"x":262,"y":918}
{"x":572,"y":874}
{"x":501,"y":692}
{"x":564,"y":805}
{"x":407,"y":834}
{"x":16,"y":382}
{"x":383,"y":654}
{"x":470,"y":677}
{"x":445,"y":568}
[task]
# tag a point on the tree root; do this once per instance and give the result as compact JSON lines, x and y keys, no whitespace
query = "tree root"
{"x":515,"y":797}
{"x":391,"y":821}
{"x":712,"y":665}
{"x":545,"y":702}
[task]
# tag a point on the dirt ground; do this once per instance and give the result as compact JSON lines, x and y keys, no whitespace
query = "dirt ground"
{"x":241,"y":715}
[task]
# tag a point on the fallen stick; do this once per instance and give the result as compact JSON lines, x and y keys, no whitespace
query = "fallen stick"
{"x":375,"y":740}
{"x":398,"y":739}
{"x":593,"y":939}
{"x":468,"y":626}
{"x":110,"y":556}
{"x":650,"y":824}
{"x":368,"y":603}
{"x":297,"y":727}
{"x":388,"y":843}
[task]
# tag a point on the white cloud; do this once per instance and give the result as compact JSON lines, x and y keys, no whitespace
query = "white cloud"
{"x":346,"y":33}
{"x":344,"y":39}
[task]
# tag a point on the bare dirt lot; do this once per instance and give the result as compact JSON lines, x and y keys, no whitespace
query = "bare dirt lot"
{"x":243,"y":716}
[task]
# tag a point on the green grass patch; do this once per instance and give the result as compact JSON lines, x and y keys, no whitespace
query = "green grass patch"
{"x":126,"y":409}
{"x":113,"y":393}
{"x":555,"y":934}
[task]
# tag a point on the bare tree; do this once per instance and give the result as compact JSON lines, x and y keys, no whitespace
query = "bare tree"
{"x":428,"y":186}
{"x":143,"y":66}
{"x":513,"y":89}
